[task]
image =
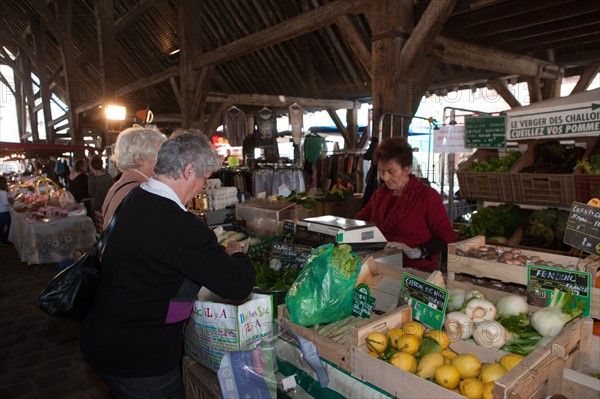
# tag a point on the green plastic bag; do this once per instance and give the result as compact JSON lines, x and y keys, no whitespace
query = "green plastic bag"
{"x":321,"y":293}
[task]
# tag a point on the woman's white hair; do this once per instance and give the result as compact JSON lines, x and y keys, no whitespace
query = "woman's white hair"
{"x":137,"y":143}
{"x":189,"y":147}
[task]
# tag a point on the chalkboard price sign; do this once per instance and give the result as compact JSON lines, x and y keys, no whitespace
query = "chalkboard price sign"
{"x":485,"y":132}
{"x":289,"y":229}
{"x":289,"y":255}
{"x":428,"y":301}
{"x":583,"y":228}
{"x":362,"y":301}
{"x":542,"y":280}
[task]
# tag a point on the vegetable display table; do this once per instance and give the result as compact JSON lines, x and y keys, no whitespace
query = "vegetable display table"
{"x":49,"y":240}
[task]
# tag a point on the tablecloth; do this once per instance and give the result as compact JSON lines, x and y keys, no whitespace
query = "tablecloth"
{"x":49,"y":240}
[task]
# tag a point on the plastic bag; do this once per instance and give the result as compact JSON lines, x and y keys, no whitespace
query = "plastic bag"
{"x":66,"y":199}
{"x":321,"y":293}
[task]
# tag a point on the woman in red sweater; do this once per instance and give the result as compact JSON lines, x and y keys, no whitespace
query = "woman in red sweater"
{"x":409,"y":213}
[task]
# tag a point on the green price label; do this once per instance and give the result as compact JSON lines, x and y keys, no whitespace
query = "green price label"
{"x":362,"y":301}
{"x":428,"y":301}
{"x":542,"y":280}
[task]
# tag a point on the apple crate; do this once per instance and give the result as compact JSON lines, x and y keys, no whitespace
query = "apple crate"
{"x":484,"y":186}
{"x":461,"y":261}
{"x":546,"y":189}
{"x":538,"y":375}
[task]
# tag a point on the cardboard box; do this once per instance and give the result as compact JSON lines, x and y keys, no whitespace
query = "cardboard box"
{"x":217,"y":326}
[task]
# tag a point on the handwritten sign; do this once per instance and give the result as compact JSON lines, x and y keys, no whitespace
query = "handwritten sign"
{"x":485,"y":132}
{"x":428,"y":301}
{"x":583,"y":228}
{"x":542,"y":280}
{"x":289,"y":255}
{"x":449,"y":139}
{"x":289,"y":229}
{"x":362,"y":301}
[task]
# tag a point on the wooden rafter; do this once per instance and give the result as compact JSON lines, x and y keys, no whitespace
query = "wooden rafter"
{"x":586,"y":78}
{"x":39,"y":36}
{"x":475,"y":56}
{"x":358,"y":46}
{"x":302,"y":24}
{"x":422,"y":38}
{"x":502,"y":88}
{"x":105,"y":25}
{"x":65,"y":16}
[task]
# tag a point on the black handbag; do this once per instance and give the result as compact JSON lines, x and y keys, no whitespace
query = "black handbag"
{"x":71,"y":292}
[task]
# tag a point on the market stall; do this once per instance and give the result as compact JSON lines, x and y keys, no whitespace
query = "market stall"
{"x":50,"y":239}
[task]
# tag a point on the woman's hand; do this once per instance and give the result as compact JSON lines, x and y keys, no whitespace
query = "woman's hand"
{"x":411,"y":253}
{"x":233,"y":246}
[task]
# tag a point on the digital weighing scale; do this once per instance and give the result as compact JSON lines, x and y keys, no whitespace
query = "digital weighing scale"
{"x":359,"y":234}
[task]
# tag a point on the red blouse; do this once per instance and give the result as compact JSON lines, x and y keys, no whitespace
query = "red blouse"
{"x":415,"y":217}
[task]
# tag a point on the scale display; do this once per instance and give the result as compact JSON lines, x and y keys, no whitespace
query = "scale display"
{"x":359,"y":234}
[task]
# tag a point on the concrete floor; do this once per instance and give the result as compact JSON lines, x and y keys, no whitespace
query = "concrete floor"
{"x":39,"y":354}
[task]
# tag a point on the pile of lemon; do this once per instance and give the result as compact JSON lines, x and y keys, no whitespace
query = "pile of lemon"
{"x":462,"y":373}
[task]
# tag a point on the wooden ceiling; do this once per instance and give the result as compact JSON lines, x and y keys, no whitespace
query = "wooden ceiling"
{"x":252,"y":53}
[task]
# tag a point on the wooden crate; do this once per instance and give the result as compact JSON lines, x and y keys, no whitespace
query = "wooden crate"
{"x":587,"y":185}
{"x":577,"y":385}
{"x":460,"y":264}
{"x":337,"y":353}
{"x":484,"y":186}
{"x":517,"y":238}
{"x":198,"y":381}
{"x":546,"y":189}
{"x":538,"y":372}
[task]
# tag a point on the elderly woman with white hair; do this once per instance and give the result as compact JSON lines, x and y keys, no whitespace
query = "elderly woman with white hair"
{"x":135,"y":156}
{"x":157,"y":258}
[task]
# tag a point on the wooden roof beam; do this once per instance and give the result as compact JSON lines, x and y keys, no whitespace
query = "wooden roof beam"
{"x":278,"y":101}
{"x":304,"y":23}
{"x":358,"y":46}
{"x":475,"y":56}
{"x":423,"y":36}
{"x":586,"y":78}
{"x":502,"y":88}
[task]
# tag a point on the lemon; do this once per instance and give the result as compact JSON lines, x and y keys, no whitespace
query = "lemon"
{"x":511,"y":360}
{"x":471,"y":387}
{"x":393,"y":335}
{"x":447,"y":376}
{"x":447,"y":360}
{"x":429,"y":363}
{"x":450,"y":354}
{"x":490,"y":372}
{"x":488,"y":390}
{"x":468,"y":365}
{"x":376,"y":341}
{"x":374,"y":354}
{"x":414,"y":328}
{"x":405,"y":361}
{"x":408,"y":344}
{"x":440,"y":336}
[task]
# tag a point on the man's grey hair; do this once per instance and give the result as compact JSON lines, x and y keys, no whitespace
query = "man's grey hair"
{"x":137,"y":143}
{"x":183,"y":149}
